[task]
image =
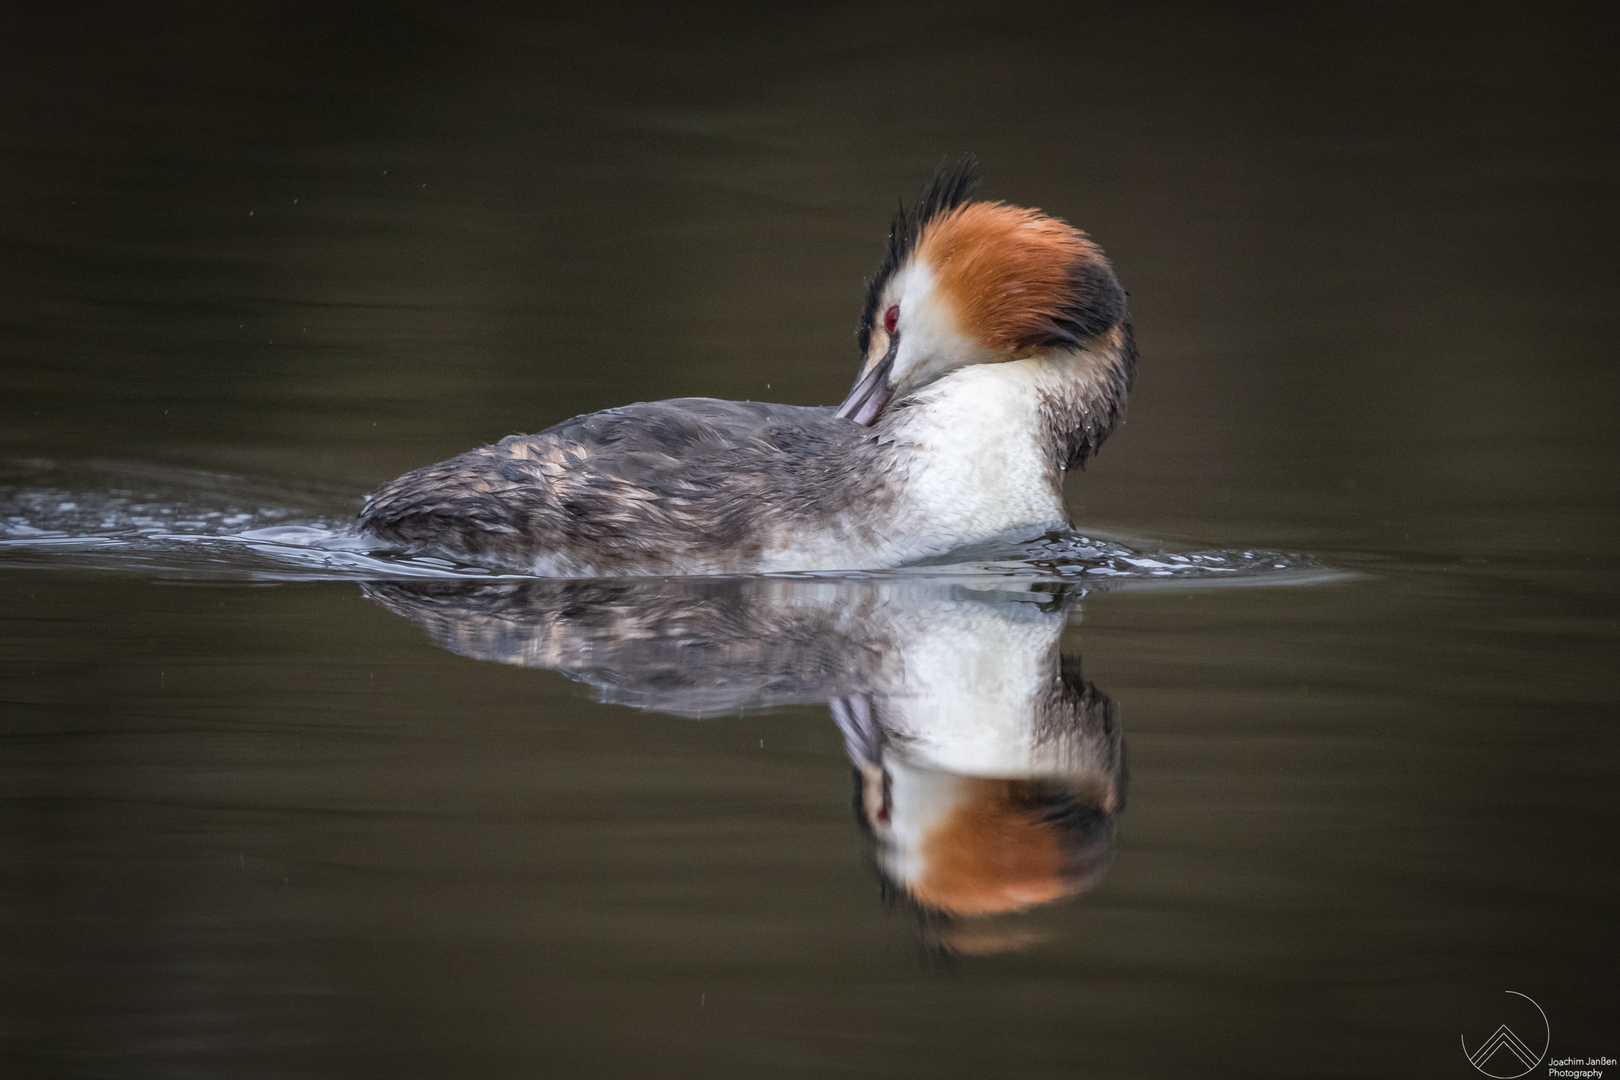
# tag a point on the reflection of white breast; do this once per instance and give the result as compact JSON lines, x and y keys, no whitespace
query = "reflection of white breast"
{"x":970,"y":680}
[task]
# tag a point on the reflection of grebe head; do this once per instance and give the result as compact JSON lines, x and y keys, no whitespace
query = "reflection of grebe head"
{"x":958,"y":847}
{"x":971,"y":846}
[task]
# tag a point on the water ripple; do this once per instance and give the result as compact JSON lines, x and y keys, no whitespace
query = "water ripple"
{"x":185,"y":524}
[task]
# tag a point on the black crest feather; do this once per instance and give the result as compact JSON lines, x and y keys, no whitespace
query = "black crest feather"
{"x":953,"y":184}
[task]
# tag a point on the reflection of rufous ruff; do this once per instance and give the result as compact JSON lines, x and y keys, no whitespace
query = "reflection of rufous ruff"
{"x":994,"y":852}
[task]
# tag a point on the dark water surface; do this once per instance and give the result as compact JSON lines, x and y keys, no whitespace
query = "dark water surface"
{"x":1301,"y":790}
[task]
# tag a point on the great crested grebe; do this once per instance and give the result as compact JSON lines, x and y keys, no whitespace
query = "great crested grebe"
{"x":997,"y":354}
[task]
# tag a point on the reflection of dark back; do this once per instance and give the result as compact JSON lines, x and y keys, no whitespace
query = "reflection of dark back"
{"x":687,"y":648}
{"x":989,"y":774}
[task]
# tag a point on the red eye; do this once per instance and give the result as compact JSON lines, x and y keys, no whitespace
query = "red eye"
{"x":890,"y":317}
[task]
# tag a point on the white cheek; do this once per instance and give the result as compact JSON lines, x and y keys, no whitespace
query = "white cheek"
{"x":931,"y":341}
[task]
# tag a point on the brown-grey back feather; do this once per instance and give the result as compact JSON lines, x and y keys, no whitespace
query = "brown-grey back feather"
{"x":646,"y":488}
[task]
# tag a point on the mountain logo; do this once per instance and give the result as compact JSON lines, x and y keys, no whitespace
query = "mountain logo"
{"x":1504,"y":1052}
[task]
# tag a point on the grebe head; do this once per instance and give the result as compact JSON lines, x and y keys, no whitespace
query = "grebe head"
{"x":968,"y":282}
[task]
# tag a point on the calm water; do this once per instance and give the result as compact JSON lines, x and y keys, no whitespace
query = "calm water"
{"x":1305,"y":750}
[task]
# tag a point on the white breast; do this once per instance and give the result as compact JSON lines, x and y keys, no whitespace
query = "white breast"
{"x":973,"y":463}
{"x":965,"y":464}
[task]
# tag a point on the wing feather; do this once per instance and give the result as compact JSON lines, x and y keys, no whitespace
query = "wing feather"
{"x":646,"y":488}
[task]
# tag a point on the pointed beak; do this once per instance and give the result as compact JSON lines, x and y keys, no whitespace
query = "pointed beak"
{"x":872,"y":391}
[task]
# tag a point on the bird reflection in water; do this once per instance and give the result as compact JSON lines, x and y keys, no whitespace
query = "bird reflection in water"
{"x":989,"y":774}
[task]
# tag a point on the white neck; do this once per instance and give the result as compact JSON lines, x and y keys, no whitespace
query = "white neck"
{"x":981,"y":452}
